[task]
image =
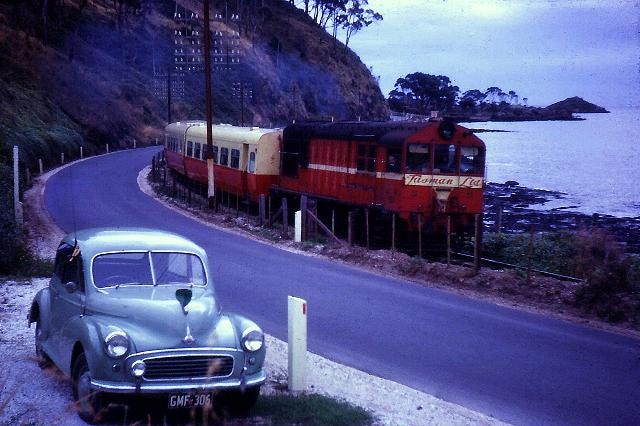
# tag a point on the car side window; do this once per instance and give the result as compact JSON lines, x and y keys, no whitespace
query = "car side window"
{"x":68,"y":265}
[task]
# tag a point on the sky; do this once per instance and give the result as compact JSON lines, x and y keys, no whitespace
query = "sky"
{"x":544,"y":50}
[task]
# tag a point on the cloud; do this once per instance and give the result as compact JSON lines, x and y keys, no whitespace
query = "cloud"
{"x":585,"y":45}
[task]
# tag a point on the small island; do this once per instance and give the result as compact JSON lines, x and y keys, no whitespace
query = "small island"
{"x":504,"y":112}
{"x":576,"y":105}
{"x":418,"y":96}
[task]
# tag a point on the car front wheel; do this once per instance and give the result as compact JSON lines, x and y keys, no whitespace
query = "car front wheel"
{"x":88,"y":401}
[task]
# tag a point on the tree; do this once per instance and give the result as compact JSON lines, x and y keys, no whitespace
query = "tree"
{"x":355,"y":17}
{"x":422,"y":93}
{"x":471,"y":99}
{"x":493,"y":94}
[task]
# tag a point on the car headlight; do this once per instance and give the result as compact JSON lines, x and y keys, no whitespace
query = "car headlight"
{"x":252,"y":339}
{"x":116,"y":344}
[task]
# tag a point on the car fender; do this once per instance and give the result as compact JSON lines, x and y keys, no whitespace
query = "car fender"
{"x":40,"y":311}
{"x":81,"y":334}
{"x":241,"y":323}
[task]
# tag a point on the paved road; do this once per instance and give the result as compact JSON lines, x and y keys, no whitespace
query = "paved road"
{"x":522,"y":368}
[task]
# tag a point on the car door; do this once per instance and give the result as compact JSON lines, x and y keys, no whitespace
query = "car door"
{"x":68,"y":298}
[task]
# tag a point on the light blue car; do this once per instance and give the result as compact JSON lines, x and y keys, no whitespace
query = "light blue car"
{"x":134,"y":311}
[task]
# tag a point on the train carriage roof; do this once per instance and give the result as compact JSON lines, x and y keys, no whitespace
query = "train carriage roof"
{"x":384,"y":133}
{"x":220,"y":132}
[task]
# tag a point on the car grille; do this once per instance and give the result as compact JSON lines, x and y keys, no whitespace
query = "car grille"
{"x":183,"y":367}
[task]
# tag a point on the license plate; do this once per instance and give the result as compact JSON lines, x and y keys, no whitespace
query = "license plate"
{"x":189,"y":400}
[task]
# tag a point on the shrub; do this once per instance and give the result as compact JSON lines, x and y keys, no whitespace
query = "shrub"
{"x":552,"y":252}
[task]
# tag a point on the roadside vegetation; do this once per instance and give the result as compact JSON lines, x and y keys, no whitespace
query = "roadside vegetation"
{"x":310,"y":410}
{"x":611,"y":277}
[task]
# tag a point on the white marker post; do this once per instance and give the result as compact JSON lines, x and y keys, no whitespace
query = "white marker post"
{"x":297,"y":334}
{"x":297,"y":237}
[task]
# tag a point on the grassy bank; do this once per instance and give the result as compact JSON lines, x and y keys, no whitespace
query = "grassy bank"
{"x":611,"y":277}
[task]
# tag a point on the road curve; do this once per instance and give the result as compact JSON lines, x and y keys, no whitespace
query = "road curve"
{"x":521,"y":368}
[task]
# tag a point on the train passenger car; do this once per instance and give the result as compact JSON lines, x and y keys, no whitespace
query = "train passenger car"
{"x":422,"y":172}
{"x":246,"y":159}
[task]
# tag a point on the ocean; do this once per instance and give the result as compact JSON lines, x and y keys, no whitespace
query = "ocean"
{"x":595,"y":162}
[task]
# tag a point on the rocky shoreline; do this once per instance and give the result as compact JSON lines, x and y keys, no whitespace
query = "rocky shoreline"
{"x":523,"y":208}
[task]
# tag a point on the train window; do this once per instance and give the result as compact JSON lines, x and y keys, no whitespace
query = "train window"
{"x":197,"y":151}
{"x":252,"y":162}
{"x":444,"y":159}
{"x":366,"y":157}
{"x":189,"y":149}
{"x":471,"y":160}
{"x":417,"y":158}
{"x":394,"y":155}
{"x":224,"y":156}
{"x":215,"y":154}
{"x":235,"y":158}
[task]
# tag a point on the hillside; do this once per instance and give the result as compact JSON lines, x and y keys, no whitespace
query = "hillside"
{"x":81,"y":73}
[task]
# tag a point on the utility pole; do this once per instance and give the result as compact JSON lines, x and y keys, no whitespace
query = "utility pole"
{"x":169,"y":94}
{"x":211,"y":192}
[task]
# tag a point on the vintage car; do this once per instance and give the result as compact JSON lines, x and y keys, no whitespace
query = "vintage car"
{"x":134,"y":311}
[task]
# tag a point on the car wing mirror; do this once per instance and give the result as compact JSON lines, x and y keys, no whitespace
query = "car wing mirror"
{"x":71,"y":287}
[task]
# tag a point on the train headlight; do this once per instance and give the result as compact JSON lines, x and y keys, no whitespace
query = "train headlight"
{"x":446,"y":130}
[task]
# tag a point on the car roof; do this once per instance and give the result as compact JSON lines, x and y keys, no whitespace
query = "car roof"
{"x":100,"y":240}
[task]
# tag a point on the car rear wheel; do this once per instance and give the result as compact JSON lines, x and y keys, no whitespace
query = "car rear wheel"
{"x":43,"y":359}
{"x":88,"y":401}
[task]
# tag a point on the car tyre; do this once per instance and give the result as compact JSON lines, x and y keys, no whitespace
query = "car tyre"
{"x":43,"y":359}
{"x":88,"y":402}
{"x":239,"y":403}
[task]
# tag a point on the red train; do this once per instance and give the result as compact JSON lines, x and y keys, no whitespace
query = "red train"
{"x":421,"y":172}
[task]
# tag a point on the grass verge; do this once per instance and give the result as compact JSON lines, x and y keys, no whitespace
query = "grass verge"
{"x":310,"y":410}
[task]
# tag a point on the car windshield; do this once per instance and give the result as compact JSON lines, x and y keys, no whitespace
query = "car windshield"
{"x":147,"y":268}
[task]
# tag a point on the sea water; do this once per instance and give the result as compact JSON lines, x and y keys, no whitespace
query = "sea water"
{"x":595,"y":162}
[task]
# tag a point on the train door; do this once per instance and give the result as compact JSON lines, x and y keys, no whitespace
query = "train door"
{"x":244,"y":159}
{"x":390,"y":179}
{"x":249,"y":159}
{"x":365,"y":177}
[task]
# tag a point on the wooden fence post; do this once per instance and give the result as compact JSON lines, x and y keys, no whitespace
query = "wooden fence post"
{"x":261,"y":209}
{"x":477,"y":243}
{"x":393,"y":234}
{"x":420,"y":235}
{"x":333,"y":221}
{"x":448,"y":240}
{"x":285,"y":216}
{"x":303,"y":210}
{"x":530,"y":253}
{"x":366,"y":220}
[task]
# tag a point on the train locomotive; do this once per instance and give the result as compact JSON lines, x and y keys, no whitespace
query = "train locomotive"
{"x":419,"y":173}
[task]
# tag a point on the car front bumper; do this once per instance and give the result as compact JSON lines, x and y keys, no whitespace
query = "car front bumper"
{"x":249,"y":380}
